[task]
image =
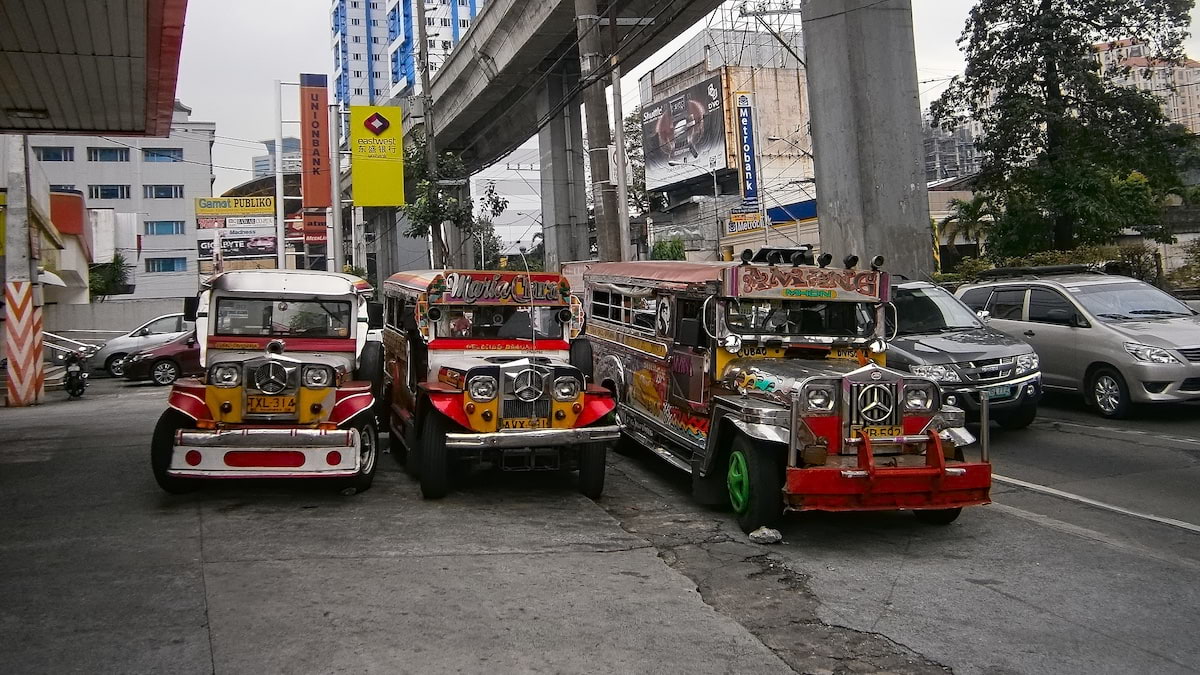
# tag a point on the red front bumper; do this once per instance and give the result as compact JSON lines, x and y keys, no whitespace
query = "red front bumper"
{"x":937,"y":485}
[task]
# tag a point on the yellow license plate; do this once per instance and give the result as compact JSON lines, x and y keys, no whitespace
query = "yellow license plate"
{"x":270,"y":404}
{"x":877,"y":431}
{"x":842,"y":353}
{"x":525,"y":423}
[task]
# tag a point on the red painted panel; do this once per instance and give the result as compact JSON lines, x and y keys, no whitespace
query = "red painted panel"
{"x":292,"y":344}
{"x":888,"y":488}
{"x":498,"y":345}
{"x":595,"y":406}
{"x":289,"y":459}
{"x":450,"y":405}
{"x":188,"y":397}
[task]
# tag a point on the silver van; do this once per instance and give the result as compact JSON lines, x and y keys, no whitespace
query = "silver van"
{"x":1116,"y":340}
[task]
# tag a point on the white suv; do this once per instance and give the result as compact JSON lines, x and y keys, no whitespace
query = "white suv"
{"x":1114,"y":339}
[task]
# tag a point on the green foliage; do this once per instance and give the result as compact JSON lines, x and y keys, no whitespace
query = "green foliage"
{"x":968,"y":219}
{"x":1187,"y":275}
{"x":640,"y":200}
{"x":1069,"y":157}
{"x":1135,"y":260}
{"x":105,"y":279}
{"x":668,"y":249}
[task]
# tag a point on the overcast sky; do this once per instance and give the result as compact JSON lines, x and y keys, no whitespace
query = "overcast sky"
{"x":233,"y":50}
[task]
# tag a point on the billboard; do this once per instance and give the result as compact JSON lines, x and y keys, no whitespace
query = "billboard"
{"x":684,"y":135}
{"x":746,"y":217}
{"x":315,"y":186}
{"x":232,"y":248}
{"x":208,"y":207}
{"x":377,"y":155}
{"x":314,"y":229}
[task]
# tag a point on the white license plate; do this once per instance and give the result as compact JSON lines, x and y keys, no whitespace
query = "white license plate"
{"x":73,"y":369}
{"x":1003,"y":391}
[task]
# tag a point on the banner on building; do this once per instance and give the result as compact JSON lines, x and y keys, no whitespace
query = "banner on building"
{"x":377,"y":155}
{"x":747,"y":152}
{"x":210,"y":207}
{"x":315,"y":187}
{"x":233,"y":248}
{"x":314,"y":229}
{"x":683,"y":136}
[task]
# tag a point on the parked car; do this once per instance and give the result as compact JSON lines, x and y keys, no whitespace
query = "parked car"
{"x":1115,"y":339}
{"x":111,"y":355}
{"x":937,"y":336}
{"x":166,"y":363}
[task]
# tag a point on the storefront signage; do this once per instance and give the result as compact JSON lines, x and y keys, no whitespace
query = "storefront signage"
{"x":377,"y":154}
{"x":315,"y":187}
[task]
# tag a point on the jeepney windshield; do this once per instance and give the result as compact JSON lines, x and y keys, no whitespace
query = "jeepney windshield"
{"x":307,"y":318}
{"x":498,"y":322}
{"x":800,"y":317}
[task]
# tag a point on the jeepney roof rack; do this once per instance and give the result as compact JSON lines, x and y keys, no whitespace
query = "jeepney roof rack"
{"x":1035,"y":272}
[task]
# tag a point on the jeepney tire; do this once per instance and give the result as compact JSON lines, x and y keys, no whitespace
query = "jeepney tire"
{"x":1018,"y":419}
{"x":368,"y":457}
{"x":938,"y":516}
{"x":593,"y":458}
{"x":761,"y":476}
{"x":434,"y":457}
{"x":162,"y":445}
{"x":580,"y":356}
{"x":370,"y":369}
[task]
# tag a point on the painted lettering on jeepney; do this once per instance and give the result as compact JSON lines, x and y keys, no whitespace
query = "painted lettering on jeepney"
{"x":499,"y":288}
{"x":649,"y":388}
{"x":823,"y":283}
{"x":757,"y":381}
{"x":692,"y":425}
{"x":682,"y":364}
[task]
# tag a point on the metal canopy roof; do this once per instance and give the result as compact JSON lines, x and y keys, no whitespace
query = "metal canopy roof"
{"x":95,"y":67}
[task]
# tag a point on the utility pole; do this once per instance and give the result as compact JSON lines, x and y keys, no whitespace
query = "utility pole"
{"x":439,"y":246}
{"x":334,"y":251}
{"x":619,"y":141}
{"x":595,"y":111}
{"x":280,"y":212}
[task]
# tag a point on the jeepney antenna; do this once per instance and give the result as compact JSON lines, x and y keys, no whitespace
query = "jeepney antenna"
{"x":532,"y":328}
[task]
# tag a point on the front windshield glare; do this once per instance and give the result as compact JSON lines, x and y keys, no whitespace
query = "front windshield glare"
{"x":499,"y":322}
{"x":1128,"y":301}
{"x":800,"y":317}
{"x":931,"y":310}
{"x":307,"y":318}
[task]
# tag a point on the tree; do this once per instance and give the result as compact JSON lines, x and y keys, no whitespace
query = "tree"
{"x":641,"y":201}
{"x":968,"y":219}
{"x":110,"y":278}
{"x":668,"y":249}
{"x":1061,"y":142}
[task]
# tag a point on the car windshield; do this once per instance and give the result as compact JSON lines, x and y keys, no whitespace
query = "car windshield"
{"x":308,"y":318}
{"x":1128,"y":301}
{"x":498,"y":322}
{"x":800,"y":317}
{"x":931,"y":310}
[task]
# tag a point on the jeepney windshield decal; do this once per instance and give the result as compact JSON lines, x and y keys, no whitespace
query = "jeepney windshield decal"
{"x":799,"y":317}
{"x":499,"y":288}
{"x":261,"y":316}
{"x":498,"y":322}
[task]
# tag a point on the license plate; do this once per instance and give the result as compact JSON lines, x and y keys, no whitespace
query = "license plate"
{"x":73,"y":369}
{"x":842,"y":353}
{"x":1003,"y":391}
{"x":270,"y":404}
{"x":877,"y":431}
{"x":525,"y":423}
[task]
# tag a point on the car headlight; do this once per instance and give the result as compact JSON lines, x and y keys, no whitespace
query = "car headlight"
{"x":315,"y":377}
{"x":566,"y":389}
{"x":225,"y":375}
{"x":136,"y":357}
{"x":1149,"y":354}
{"x":919,"y":397}
{"x":1027,"y":363}
{"x":482,"y":388}
{"x":819,"y":397}
{"x":938,"y":373}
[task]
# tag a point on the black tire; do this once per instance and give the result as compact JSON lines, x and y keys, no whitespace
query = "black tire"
{"x":434,"y":456}
{"x":162,"y":445}
{"x":370,"y":369}
{"x":938,"y":516}
{"x":754,"y":482}
{"x":580,"y":356}
{"x":1018,"y":419}
{"x":75,"y":387}
{"x":169,"y":372}
{"x":593,"y":458}
{"x":1109,"y":394}
{"x":368,"y":458}
{"x":115,"y":366}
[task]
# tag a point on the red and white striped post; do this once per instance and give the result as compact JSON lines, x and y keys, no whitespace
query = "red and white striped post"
{"x":23,"y":321}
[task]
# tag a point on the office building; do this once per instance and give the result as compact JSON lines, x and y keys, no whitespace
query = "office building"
{"x":264,"y":165}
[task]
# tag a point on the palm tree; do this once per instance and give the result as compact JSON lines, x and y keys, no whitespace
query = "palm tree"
{"x":968,"y":219}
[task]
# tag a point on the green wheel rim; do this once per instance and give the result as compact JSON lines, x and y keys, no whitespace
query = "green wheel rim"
{"x":738,"y":481}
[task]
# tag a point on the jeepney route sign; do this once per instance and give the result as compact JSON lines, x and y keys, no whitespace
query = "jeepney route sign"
{"x":497,"y":288}
{"x":790,"y":279}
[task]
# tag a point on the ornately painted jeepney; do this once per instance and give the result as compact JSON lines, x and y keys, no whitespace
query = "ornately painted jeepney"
{"x":287,"y":386}
{"x":476,"y":370}
{"x":766,"y":382}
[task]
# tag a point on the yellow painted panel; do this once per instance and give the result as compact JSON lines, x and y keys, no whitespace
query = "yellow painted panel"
{"x":476,"y":418}
{"x":215,"y":396}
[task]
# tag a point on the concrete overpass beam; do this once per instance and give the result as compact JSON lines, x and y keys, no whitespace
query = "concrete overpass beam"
{"x":564,"y":200}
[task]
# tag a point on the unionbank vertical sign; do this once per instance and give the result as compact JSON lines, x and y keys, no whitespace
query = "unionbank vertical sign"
{"x":314,"y":128}
{"x":377,"y":154}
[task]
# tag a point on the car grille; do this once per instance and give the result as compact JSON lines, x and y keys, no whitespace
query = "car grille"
{"x":515,"y":408}
{"x":1190,"y":384}
{"x":988,"y":370}
{"x":874,"y":404}
{"x":1191,"y":353}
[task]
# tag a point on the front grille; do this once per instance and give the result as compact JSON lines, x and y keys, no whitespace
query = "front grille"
{"x":1191,"y":354}
{"x":1190,"y":384}
{"x":874,"y":404}
{"x":515,"y":408}
{"x":987,"y":370}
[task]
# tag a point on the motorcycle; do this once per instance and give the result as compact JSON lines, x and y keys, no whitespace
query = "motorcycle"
{"x":77,"y":376}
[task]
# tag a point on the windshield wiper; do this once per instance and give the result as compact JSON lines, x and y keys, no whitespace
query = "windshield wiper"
{"x":1160,"y":312}
{"x":1121,"y":317}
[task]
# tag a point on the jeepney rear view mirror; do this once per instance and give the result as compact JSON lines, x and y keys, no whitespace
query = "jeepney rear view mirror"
{"x":374,"y":315}
{"x":825,"y":259}
{"x":689,"y":333}
{"x":190,"y":307}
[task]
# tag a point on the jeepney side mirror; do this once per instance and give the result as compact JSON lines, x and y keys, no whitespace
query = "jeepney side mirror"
{"x":191,"y":306}
{"x":374,"y":315}
{"x":690,"y":333}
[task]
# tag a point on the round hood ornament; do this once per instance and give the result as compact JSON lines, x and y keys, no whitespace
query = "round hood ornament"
{"x":527,"y":385}
{"x":271,"y":378}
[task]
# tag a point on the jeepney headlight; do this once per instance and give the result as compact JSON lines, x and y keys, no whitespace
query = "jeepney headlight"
{"x":317,"y":376}
{"x":919,"y":397}
{"x":566,"y":389}
{"x":225,"y":375}
{"x":1027,"y":363}
{"x":482,"y":388}
{"x":938,"y":373}
{"x":819,"y":397}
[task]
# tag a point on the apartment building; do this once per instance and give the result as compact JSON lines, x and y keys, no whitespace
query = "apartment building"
{"x":1178,"y":85}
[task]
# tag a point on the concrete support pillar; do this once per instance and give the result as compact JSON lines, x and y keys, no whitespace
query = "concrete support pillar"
{"x":23,"y":346}
{"x":866,"y":130}
{"x":564,"y":198}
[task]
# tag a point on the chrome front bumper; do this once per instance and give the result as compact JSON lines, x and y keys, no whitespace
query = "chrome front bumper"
{"x":533,"y":438}
{"x":265,"y":453}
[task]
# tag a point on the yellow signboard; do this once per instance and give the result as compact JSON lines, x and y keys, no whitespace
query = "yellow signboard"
{"x":235,"y":206}
{"x":377,"y":155}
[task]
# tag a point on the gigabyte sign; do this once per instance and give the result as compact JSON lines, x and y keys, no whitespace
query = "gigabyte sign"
{"x":499,"y":288}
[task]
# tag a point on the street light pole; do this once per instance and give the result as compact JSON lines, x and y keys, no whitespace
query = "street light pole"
{"x":280,"y":226}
